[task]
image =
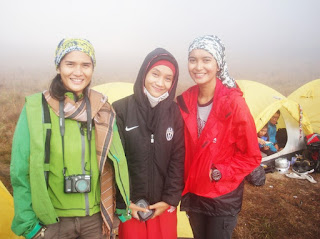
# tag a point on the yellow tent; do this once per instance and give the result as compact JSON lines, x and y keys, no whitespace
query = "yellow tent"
{"x":308,"y":96}
{"x":258,"y":96}
{"x":118,"y":90}
{"x":115,"y":90}
{"x":7,"y":212}
{"x":264,"y":101}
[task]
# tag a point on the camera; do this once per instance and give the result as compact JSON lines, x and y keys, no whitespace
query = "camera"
{"x":77,"y":183}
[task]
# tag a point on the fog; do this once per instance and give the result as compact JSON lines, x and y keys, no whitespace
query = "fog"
{"x":275,"y":42}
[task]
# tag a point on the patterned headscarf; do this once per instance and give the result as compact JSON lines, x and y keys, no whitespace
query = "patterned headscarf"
{"x":215,"y":47}
{"x":74,"y":44}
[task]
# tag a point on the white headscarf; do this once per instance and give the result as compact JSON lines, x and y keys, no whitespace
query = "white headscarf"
{"x":215,"y":47}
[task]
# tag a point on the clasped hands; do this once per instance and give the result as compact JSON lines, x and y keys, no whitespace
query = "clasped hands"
{"x":159,"y":208}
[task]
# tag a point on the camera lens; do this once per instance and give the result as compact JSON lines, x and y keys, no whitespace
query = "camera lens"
{"x":82,"y":185}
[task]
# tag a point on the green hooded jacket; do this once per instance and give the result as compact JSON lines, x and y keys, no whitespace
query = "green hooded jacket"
{"x":33,"y":205}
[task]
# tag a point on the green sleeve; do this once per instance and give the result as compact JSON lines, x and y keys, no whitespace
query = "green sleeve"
{"x":117,"y":156}
{"x":25,"y":221}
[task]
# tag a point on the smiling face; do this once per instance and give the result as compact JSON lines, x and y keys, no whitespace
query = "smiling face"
{"x":159,"y":80}
{"x":263,"y":131}
{"x":76,"y":69}
{"x":202,"y":67}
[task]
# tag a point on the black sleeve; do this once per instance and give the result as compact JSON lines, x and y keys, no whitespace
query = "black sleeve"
{"x":174,"y":183}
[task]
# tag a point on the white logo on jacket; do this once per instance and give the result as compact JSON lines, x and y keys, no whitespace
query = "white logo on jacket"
{"x":131,"y":128}
{"x":169,"y":133}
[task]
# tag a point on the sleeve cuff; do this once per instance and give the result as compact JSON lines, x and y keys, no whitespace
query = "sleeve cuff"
{"x":123,"y":214}
{"x":34,"y":231}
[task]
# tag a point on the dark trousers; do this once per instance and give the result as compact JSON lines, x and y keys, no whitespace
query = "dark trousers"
{"x":212,"y":227}
{"x":89,"y":227}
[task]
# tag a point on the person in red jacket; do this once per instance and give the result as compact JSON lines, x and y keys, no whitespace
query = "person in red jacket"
{"x":220,"y":142}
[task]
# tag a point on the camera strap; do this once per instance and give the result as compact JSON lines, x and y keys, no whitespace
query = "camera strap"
{"x":62,"y":129}
{"x":46,"y":120}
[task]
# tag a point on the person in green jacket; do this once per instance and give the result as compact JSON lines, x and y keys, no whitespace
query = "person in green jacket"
{"x":67,"y":155}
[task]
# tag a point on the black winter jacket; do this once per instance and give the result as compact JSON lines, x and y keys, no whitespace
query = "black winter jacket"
{"x":153,"y":139}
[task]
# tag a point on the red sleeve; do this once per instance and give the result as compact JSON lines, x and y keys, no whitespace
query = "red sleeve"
{"x":247,"y":155}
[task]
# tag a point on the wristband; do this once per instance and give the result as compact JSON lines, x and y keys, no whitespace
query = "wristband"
{"x":215,"y":174}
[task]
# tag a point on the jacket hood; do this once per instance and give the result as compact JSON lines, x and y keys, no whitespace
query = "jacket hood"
{"x":156,"y":55}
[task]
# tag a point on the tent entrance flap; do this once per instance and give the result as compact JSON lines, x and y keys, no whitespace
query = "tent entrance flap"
{"x":295,"y":136}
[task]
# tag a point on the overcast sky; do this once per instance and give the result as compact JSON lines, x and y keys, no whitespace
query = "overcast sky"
{"x":263,"y":38}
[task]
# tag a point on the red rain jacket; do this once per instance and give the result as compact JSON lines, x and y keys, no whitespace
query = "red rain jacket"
{"x":228,"y":140}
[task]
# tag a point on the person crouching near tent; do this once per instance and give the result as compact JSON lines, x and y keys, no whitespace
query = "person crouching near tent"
{"x":220,"y":141}
{"x":59,"y":154}
{"x":272,"y":133}
{"x":151,"y":129}
{"x":272,"y":129}
{"x":266,"y":147}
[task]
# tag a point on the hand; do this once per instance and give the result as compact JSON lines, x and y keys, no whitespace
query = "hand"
{"x":261,"y":141}
{"x":40,"y":233}
{"x":159,"y":208}
{"x":277,"y":147}
{"x":214,"y":174}
{"x":266,"y":147}
{"x":134,"y":210}
{"x":210,"y":174}
{"x":116,"y":222}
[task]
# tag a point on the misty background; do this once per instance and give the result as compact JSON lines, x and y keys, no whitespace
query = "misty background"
{"x":275,"y":42}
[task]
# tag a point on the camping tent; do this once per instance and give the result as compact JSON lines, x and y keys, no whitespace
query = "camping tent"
{"x":263,"y":102}
{"x":7,"y":212}
{"x":308,"y":96}
{"x":115,"y":90}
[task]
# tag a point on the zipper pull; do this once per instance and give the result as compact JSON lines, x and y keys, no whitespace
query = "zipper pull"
{"x":152,"y":139}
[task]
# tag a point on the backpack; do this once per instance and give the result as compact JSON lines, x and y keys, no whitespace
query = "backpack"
{"x":313,"y":150}
{"x":257,"y":177}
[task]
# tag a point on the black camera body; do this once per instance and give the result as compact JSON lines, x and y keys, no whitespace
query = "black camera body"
{"x":80,"y":183}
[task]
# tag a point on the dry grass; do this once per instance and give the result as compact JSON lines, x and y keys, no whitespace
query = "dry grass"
{"x":10,"y":107}
{"x":282,"y":208}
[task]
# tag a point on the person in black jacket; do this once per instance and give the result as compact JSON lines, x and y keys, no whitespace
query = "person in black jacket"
{"x":151,"y":130}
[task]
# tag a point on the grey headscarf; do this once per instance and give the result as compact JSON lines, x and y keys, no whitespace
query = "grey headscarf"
{"x":215,"y":47}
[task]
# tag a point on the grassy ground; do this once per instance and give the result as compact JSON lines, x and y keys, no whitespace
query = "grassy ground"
{"x":10,"y":107}
{"x":282,"y":208}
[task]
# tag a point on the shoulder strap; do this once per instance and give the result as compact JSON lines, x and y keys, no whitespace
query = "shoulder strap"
{"x":46,"y":119}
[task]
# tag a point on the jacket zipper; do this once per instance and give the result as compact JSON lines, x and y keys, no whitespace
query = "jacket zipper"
{"x":151,"y":189}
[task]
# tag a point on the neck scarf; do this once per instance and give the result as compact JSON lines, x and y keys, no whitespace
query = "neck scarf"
{"x":215,"y":47}
{"x":155,"y":100}
{"x":103,"y":117}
